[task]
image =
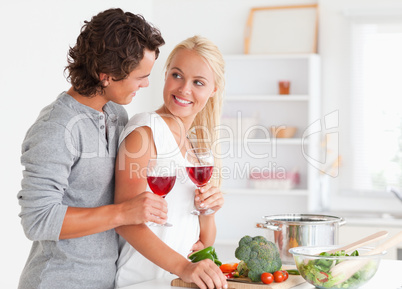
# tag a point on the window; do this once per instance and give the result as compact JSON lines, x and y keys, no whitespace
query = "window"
{"x":374,"y":159}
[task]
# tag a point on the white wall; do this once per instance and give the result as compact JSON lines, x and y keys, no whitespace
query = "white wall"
{"x":34,"y":44}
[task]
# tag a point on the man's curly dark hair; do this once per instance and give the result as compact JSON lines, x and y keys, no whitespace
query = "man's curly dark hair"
{"x":113,"y":43}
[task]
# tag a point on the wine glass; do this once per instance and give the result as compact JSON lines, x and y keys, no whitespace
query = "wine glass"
{"x":161,"y":177}
{"x":199,"y":167}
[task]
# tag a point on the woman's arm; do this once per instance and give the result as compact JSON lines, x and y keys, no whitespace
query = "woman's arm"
{"x":210,"y":197}
{"x":131,"y":166}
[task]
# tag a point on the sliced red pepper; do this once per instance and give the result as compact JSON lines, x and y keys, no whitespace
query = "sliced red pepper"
{"x":322,"y":277}
{"x":228,"y":267}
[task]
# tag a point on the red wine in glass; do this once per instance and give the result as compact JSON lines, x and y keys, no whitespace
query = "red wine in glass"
{"x":199,"y":167}
{"x":161,"y":177}
{"x":200,"y":176}
{"x":161,"y":185}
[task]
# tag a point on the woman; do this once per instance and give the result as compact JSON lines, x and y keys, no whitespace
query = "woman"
{"x":194,"y":83}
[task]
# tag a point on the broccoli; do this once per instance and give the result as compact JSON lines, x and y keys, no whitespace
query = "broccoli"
{"x":260,"y":255}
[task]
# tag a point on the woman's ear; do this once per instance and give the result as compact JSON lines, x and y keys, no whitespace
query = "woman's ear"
{"x":213,"y":93}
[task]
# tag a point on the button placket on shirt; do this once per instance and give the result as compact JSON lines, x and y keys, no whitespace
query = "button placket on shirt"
{"x":102,"y":124}
{"x":103,"y":143}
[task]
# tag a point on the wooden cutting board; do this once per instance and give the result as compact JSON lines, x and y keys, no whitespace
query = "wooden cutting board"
{"x":245,"y":283}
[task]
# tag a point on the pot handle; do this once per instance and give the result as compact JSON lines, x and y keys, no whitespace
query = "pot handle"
{"x":268,"y":226}
{"x":342,"y":222}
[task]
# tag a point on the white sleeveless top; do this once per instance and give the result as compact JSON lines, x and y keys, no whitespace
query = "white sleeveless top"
{"x":132,"y":267}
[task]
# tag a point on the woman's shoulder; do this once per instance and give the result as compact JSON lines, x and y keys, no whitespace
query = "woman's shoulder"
{"x":141,"y":119}
{"x":138,"y":120}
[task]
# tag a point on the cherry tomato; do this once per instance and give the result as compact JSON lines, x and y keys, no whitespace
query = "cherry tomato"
{"x":285,"y":274}
{"x":279,"y":276}
{"x":267,"y":278}
{"x":322,"y":277}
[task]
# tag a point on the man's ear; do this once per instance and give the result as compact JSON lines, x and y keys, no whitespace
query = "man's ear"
{"x":104,"y":78}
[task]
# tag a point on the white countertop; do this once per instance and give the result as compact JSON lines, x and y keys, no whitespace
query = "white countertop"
{"x":388,"y":276}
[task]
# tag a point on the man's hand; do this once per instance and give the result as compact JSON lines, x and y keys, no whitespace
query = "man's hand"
{"x":145,"y":207}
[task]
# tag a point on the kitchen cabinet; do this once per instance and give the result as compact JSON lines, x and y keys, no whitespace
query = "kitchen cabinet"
{"x":252,"y":105}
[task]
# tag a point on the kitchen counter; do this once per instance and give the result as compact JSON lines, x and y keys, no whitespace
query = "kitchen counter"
{"x":388,"y":276}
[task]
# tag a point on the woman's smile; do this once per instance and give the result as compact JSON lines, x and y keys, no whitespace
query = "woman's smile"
{"x":181,"y":101}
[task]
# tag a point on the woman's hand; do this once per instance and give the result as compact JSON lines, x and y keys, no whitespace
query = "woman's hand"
{"x":196,"y":247}
{"x":205,"y":274}
{"x":209,"y":197}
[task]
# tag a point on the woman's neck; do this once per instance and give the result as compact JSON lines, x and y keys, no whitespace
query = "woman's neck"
{"x":177,"y":126}
{"x":175,"y":122}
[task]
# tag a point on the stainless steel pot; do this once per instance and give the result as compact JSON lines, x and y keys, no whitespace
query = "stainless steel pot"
{"x":294,"y":230}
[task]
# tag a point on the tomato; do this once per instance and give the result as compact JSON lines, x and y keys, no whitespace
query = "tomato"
{"x":267,"y":278}
{"x":322,"y":277}
{"x":285,"y":274}
{"x":279,"y":276}
{"x":227,"y":268}
{"x":229,"y":275}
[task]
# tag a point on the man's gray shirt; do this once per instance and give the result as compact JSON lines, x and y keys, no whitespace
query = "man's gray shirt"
{"x":69,"y":158}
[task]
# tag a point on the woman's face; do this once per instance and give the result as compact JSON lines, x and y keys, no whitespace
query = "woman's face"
{"x":189,"y":83}
{"x":123,"y":91}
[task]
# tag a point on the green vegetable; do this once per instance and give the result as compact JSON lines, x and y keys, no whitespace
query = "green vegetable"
{"x":206,"y":253}
{"x":318,"y":272}
{"x":242,"y":269}
{"x":259,"y":255}
{"x":293,"y":272}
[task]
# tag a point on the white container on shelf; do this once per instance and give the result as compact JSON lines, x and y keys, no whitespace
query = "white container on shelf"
{"x":271,"y":180}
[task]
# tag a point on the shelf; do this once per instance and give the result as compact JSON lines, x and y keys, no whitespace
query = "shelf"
{"x":280,"y":141}
{"x":291,"y":97}
{"x":269,"y":56}
{"x":250,"y":191}
{"x":253,"y":104}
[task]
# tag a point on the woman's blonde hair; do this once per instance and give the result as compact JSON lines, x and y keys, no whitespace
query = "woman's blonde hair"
{"x":205,"y":126}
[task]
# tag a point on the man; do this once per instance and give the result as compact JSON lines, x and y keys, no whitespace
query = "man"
{"x":69,"y":156}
